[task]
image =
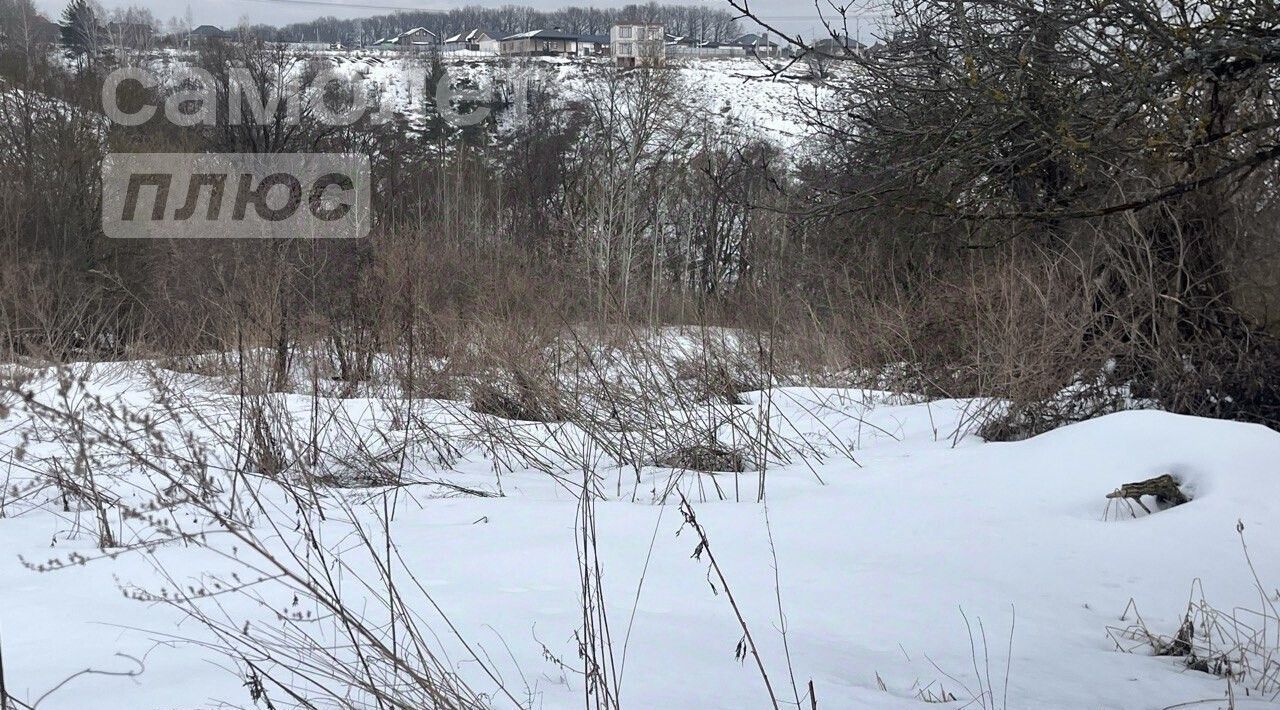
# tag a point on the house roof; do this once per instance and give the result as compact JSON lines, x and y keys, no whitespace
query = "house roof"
{"x":209,"y":31}
{"x":839,"y":41}
{"x":473,"y":36}
{"x":594,"y":39}
{"x":542,"y":34}
{"x":752,"y":40}
{"x":416,"y":31}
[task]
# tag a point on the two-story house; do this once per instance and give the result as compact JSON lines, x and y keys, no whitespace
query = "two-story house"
{"x":638,"y":43}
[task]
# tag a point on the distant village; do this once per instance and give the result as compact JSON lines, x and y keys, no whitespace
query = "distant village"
{"x":628,"y":43}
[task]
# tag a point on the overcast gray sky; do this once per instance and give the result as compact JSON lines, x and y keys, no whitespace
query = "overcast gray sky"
{"x":794,"y":16}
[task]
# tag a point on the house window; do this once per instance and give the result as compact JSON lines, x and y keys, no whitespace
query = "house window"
{"x":655,"y":33}
{"x":624,"y":49}
{"x":624,"y":32}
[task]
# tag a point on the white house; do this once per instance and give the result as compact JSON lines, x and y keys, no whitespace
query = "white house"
{"x":541,"y":43}
{"x":638,"y":43}
{"x":476,"y":40}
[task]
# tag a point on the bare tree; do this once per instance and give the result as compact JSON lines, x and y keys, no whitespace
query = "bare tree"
{"x":1148,"y":131}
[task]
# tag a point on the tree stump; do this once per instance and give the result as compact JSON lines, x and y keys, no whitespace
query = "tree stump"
{"x":1165,"y":489}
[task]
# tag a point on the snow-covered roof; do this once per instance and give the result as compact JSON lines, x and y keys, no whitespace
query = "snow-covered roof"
{"x":473,"y":36}
{"x":416,"y":31}
{"x":752,"y":40}
{"x":542,"y":34}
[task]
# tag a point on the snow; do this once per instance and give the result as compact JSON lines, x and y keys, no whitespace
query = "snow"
{"x":894,"y":530}
{"x":742,"y":94}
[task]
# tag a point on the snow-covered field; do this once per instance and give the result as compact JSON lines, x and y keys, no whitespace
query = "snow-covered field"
{"x":740,"y":93}
{"x":899,"y":560}
{"x":766,"y":100}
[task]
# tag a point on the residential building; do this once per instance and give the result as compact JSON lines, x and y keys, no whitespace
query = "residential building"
{"x":593,"y":45}
{"x":705,"y":50}
{"x":490,"y":44}
{"x":545,"y":43}
{"x":455,"y":43}
{"x":476,"y":40}
{"x":838,"y":46}
{"x":757,"y":45}
{"x":636,"y":44}
{"x":207,"y":34}
{"x":417,"y":38}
